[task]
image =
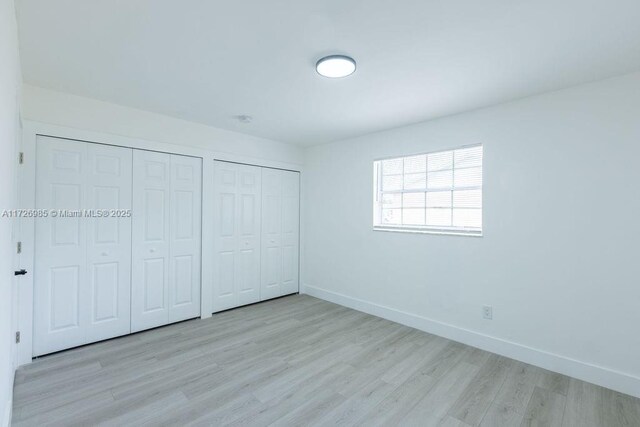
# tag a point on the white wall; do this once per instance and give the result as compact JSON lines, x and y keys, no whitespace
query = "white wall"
{"x":10,"y":82}
{"x":47,"y":106}
{"x":559,"y":260}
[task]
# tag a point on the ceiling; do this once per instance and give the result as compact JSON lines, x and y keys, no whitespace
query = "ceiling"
{"x":208,"y":61}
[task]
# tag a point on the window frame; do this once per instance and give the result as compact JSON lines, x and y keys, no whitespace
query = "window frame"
{"x":426,"y":229}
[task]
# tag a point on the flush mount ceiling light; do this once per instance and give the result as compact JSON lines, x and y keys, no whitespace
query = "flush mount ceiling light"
{"x":335,"y":66}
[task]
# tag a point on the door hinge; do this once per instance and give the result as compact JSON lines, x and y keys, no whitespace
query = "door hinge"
{"x":19,"y":248}
{"x":21,"y":158}
{"x":18,"y":337}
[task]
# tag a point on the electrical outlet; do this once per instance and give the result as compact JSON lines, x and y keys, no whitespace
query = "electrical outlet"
{"x":487,"y":312}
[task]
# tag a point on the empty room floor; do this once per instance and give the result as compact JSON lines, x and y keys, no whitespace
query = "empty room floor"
{"x":299,"y":360}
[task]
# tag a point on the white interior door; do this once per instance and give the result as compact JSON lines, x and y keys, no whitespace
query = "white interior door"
{"x":81,"y":281}
{"x":151,"y":239}
{"x":185,"y":234}
{"x":237,"y":195}
{"x":280,"y":232}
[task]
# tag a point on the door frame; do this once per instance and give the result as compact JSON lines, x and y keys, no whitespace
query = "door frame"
{"x":16,"y":236}
{"x":27,"y":193}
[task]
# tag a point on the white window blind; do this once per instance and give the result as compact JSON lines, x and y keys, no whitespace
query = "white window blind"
{"x":438,"y":192}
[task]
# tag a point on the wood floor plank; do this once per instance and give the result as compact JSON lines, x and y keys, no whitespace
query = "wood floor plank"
{"x":474,"y":402}
{"x":300,"y":373}
{"x":553,"y":381}
{"x":357,"y":406}
{"x":546,"y":408}
{"x":620,"y":409}
{"x":154,"y":410}
{"x":518,"y":387}
{"x":582,"y":405}
{"x":393,"y":408}
{"x":369,"y":371}
{"x":591,"y":405}
{"x":499,"y":414}
{"x":63,"y":412}
{"x":509,"y":405}
{"x":280,"y":405}
{"x":299,"y":360}
{"x":200,"y":412}
{"x":324,"y":401}
{"x":402,"y":370}
{"x":170,"y":378}
{"x":76,"y":387}
{"x":439,"y":400}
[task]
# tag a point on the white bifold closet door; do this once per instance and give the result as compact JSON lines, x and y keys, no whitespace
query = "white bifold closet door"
{"x":82,"y":263}
{"x":280,"y":232}
{"x":237,"y":192}
{"x":166,"y":239}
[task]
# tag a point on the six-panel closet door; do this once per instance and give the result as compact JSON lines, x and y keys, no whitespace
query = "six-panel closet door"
{"x":82,"y":263}
{"x":166,"y":239}
{"x":280,"y":232}
{"x":237,"y":193}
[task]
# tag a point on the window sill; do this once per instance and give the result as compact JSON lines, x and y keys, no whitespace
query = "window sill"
{"x":429,"y":231}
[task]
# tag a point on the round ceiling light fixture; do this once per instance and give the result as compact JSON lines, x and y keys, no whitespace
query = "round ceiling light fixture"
{"x":336,"y":66}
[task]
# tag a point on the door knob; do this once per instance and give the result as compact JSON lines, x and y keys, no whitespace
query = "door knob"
{"x":152,"y":250}
{"x":104,"y":253}
{"x":20,"y":272}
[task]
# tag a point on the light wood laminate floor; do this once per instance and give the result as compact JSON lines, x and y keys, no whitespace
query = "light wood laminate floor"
{"x":302,"y":361}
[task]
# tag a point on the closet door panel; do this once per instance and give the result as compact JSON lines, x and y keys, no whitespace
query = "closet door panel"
{"x":151,"y":240}
{"x":290,"y":231}
{"x":225,"y":188}
{"x":248,"y":252}
{"x":271,"y":233}
{"x":185,"y":245}
{"x":60,"y":253}
{"x":109,"y":240}
{"x":237,"y":238}
{"x":280,"y":222}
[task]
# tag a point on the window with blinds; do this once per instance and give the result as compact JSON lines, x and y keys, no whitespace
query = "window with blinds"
{"x":435,"y":192}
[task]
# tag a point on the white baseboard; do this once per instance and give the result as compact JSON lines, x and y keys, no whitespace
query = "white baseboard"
{"x":599,"y":375}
